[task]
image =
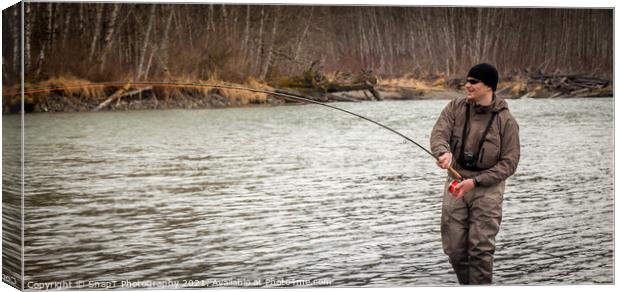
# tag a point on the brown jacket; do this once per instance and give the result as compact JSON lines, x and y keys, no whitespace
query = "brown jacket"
{"x":499,"y":155}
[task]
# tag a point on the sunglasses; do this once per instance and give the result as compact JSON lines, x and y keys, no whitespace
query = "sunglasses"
{"x":472,"y":81}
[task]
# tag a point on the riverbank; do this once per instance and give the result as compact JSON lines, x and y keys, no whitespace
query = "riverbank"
{"x":76,"y":95}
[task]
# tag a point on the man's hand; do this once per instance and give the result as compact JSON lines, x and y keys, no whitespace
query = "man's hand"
{"x":444,"y":160}
{"x":464,"y":187}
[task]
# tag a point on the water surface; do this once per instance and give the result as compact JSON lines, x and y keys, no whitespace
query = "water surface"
{"x":304,"y":193}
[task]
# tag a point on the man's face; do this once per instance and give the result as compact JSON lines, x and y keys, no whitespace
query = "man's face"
{"x":476,"y":90}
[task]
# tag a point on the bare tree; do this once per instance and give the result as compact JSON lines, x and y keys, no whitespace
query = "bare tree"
{"x":145,"y":44}
{"x":97,"y":25}
{"x":28,"y":27}
{"x":165,"y":43}
{"x":107,"y":38}
{"x":66,"y":26}
{"x":16,"y":36}
{"x":269,"y":56}
{"x":240,"y":41}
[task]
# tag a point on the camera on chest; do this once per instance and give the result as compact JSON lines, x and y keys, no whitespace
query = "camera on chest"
{"x":470,"y":159}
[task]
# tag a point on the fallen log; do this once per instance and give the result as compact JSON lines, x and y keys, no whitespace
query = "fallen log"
{"x":120,"y":94}
{"x":557,"y":94}
{"x":299,"y":94}
{"x":334,"y":87}
{"x":580,"y":92}
{"x":336,"y":97}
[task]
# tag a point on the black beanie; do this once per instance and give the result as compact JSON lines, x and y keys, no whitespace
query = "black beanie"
{"x":485,"y":73}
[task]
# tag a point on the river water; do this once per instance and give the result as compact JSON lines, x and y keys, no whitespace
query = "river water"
{"x":303,"y":195}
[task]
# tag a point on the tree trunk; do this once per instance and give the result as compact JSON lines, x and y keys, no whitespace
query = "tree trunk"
{"x":224,"y":22}
{"x":164,"y":46}
{"x":28,"y":19}
{"x":303,"y":35}
{"x":268,"y":58}
{"x":147,"y":34}
{"x":246,"y":34}
{"x":17,"y":33}
{"x":148,"y":64}
{"x":363,"y":42}
{"x":66,"y":28}
{"x":5,"y":74}
{"x":56,"y":16}
{"x":97,"y":25}
{"x":81,"y":18}
{"x":259,"y":47}
{"x":211,"y":23}
{"x":49,"y":29}
{"x":40,"y":62}
{"x":107,"y":38}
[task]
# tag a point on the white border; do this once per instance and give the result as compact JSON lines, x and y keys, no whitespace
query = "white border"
{"x":488,"y":3}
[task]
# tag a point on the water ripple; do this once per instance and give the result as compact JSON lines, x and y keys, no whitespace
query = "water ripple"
{"x":302,"y":193}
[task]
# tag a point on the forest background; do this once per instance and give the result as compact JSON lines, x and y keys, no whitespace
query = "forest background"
{"x":260,"y":44}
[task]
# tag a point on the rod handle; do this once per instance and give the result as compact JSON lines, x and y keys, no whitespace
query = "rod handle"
{"x":455,"y":173}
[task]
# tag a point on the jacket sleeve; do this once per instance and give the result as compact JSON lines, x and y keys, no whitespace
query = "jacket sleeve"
{"x":440,"y":136}
{"x":510,"y":153}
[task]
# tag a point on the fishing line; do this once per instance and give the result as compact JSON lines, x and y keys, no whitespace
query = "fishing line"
{"x":280,"y":93}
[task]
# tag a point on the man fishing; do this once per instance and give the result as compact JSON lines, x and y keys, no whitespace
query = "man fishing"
{"x":479,"y":137}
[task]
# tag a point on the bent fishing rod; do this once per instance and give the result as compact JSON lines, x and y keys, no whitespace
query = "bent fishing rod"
{"x":284,"y":95}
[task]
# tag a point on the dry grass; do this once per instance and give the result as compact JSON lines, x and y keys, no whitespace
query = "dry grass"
{"x":11,"y":96}
{"x":65,"y":86}
{"x":239,"y":96}
{"x":517,"y":86}
{"x":70,"y":87}
{"x":424,"y":86}
{"x":236,"y":96}
{"x":79,"y":89}
{"x":9,"y":90}
{"x":256,"y":97}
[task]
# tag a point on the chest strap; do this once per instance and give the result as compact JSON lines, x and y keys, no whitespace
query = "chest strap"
{"x":466,"y":134}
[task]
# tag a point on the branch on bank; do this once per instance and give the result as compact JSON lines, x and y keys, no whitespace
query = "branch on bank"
{"x":120,"y":94}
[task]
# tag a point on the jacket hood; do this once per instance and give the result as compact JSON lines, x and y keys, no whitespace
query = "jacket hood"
{"x":499,"y":104}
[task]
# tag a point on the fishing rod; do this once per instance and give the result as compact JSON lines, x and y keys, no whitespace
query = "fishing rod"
{"x":285,"y":95}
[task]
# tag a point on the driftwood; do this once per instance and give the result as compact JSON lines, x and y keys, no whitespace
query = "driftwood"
{"x":579,"y":92}
{"x":341,"y":98}
{"x":569,"y":84}
{"x":335,"y":87}
{"x":314,"y":81}
{"x":299,"y":94}
{"x":120,"y":94}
